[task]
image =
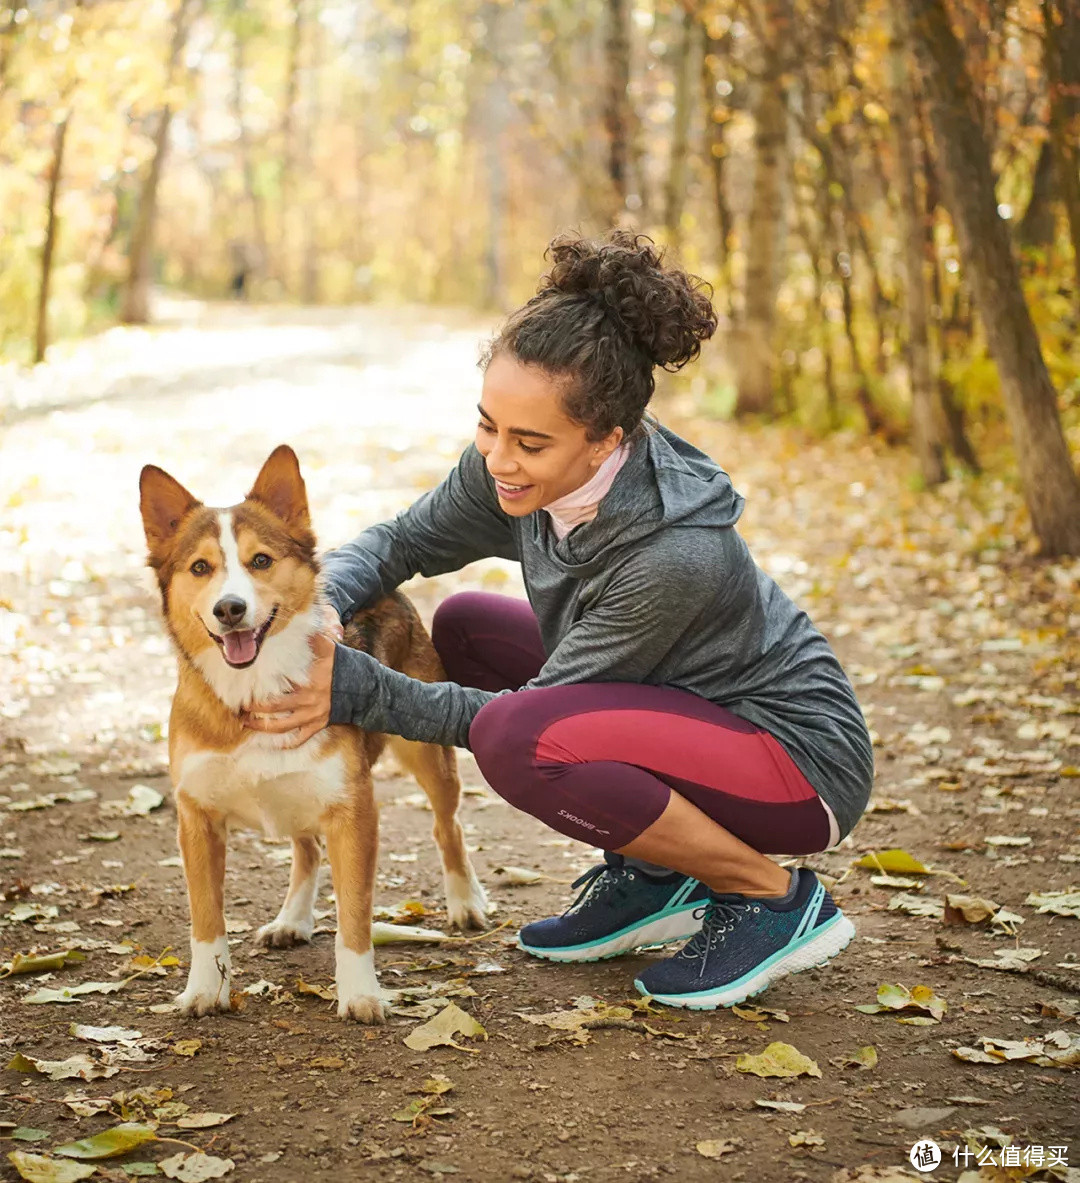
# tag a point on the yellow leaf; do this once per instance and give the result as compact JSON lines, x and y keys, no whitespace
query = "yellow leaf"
{"x":717,"y":1147}
{"x":892,"y":860}
{"x":186,"y":1047}
{"x":778,"y":1059}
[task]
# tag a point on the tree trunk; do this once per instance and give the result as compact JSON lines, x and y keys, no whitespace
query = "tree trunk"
{"x":717,"y":114}
{"x":135,"y":305}
{"x":1062,"y":19}
{"x":616,"y":110}
{"x":754,"y":343}
{"x":1036,"y":227}
{"x":256,"y":251}
{"x":288,"y":146}
{"x":1051,"y":487}
{"x":493,"y":107}
{"x":813,"y":246}
{"x":52,"y":227}
{"x":675,"y":186}
{"x":926,"y":416}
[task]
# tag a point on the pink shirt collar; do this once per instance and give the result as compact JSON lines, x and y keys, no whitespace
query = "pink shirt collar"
{"x":581,"y":504}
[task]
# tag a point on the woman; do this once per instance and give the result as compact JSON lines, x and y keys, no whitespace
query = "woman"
{"x":658,"y":696}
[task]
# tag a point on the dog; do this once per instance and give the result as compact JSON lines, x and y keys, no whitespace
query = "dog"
{"x":240,"y":596}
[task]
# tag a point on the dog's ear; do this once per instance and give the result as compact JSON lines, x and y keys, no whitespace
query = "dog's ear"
{"x":164,"y":503}
{"x":280,"y":487}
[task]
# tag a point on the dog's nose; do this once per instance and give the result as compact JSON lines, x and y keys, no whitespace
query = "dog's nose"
{"x":230,"y":610}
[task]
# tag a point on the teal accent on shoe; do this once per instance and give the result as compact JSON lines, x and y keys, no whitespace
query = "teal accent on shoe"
{"x":746,"y":944}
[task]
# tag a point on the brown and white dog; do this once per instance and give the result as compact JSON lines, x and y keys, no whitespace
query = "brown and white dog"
{"x":241,"y":599}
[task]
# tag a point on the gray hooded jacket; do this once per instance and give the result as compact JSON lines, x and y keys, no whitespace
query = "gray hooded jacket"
{"x":658,"y":588}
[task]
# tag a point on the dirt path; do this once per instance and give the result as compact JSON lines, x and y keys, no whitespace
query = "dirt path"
{"x":965,"y":657}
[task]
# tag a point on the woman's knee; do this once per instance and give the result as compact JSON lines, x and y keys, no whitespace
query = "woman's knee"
{"x":503,"y":741}
{"x":454,"y":616}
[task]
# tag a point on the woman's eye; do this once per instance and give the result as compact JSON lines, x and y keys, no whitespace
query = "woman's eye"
{"x":261,"y":561}
{"x":531,"y":451}
{"x":200,"y":567}
{"x":486,"y":427}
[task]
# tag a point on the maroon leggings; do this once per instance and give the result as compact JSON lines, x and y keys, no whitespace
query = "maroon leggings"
{"x":598,"y":760}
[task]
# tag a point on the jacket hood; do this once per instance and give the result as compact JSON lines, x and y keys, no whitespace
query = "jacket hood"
{"x":664,"y":483}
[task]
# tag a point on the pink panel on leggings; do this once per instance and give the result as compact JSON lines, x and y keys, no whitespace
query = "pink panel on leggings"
{"x":745,"y":764}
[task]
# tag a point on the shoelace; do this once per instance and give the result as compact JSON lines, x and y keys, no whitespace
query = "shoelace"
{"x":718,"y":917}
{"x":594,"y":883}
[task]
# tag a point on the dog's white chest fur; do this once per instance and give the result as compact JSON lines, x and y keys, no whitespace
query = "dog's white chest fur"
{"x":280,"y":792}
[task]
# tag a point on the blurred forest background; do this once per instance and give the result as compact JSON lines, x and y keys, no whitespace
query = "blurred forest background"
{"x":885,"y":193}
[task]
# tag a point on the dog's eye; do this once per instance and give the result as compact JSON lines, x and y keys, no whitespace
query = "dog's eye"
{"x":200,"y":567}
{"x":260,"y":562}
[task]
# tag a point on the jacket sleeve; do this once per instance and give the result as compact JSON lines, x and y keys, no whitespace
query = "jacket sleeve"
{"x":457,"y":522}
{"x":639,"y":616}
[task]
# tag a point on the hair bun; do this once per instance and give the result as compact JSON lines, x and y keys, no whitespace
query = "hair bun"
{"x":664,"y":311}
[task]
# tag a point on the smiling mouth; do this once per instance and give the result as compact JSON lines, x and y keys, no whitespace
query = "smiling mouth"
{"x":241,"y":646}
{"x":511,"y":490}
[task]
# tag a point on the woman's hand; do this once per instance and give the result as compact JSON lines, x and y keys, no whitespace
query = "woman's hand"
{"x":305,"y":709}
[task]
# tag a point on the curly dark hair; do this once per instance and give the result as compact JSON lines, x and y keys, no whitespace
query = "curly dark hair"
{"x":603,"y":317}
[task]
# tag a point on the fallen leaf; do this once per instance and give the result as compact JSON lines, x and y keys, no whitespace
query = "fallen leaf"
{"x":897,"y":997}
{"x":79,"y":1067}
{"x":140,"y":801}
{"x":893,"y":860}
{"x":518,"y":876}
{"x":717,"y":1147}
{"x":109,"y":1143}
{"x":104,"y":1034}
{"x":442,"y":1028}
{"x":70,"y":993}
{"x":87,"y":1106}
{"x":915,"y":905}
{"x":782,"y":1106}
{"x":34,"y":963}
{"x":203,"y":1121}
{"x":185,"y":1047}
{"x":1053,"y":1050}
{"x":397,"y":934}
{"x":38,"y":1168}
{"x":805,"y":1138}
{"x":1062,"y":903}
{"x":327,"y":993}
{"x":756,"y":1013}
{"x":1008,"y":958}
{"x":863,"y":1057}
{"x":25,"y":1133}
{"x":778,"y":1059}
{"x":326,"y":1062}
{"x":921,"y":1118}
{"x":195,"y":1168}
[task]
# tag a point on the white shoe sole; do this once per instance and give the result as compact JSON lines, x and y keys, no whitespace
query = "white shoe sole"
{"x":678,"y":926}
{"x":831,"y":939}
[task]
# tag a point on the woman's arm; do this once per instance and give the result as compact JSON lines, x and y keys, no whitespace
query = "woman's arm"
{"x":653,"y":598}
{"x":457,"y":522}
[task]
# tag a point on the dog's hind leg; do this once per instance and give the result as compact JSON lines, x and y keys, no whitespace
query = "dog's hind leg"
{"x":201,"y":835}
{"x":295,"y":922}
{"x":435,"y":768}
{"x":352,"y":841}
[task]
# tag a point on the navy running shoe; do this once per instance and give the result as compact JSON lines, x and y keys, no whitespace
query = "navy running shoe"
{"x":620,"y":908}
{"x":745,"y":944}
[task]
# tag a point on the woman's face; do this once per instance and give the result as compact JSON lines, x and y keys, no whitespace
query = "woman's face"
{"x":535,"y":453}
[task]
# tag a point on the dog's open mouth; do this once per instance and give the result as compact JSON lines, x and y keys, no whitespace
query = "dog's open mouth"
{"x":241,"y":646}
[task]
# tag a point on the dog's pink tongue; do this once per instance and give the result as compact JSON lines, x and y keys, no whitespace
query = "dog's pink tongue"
{"x":239,"y":647}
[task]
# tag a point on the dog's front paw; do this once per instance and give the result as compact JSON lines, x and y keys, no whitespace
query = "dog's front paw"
{"x":279,"y":934}
{"x":467,"y":904}
{"x":363,"y":1008}
{"x":196,"y":1003}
